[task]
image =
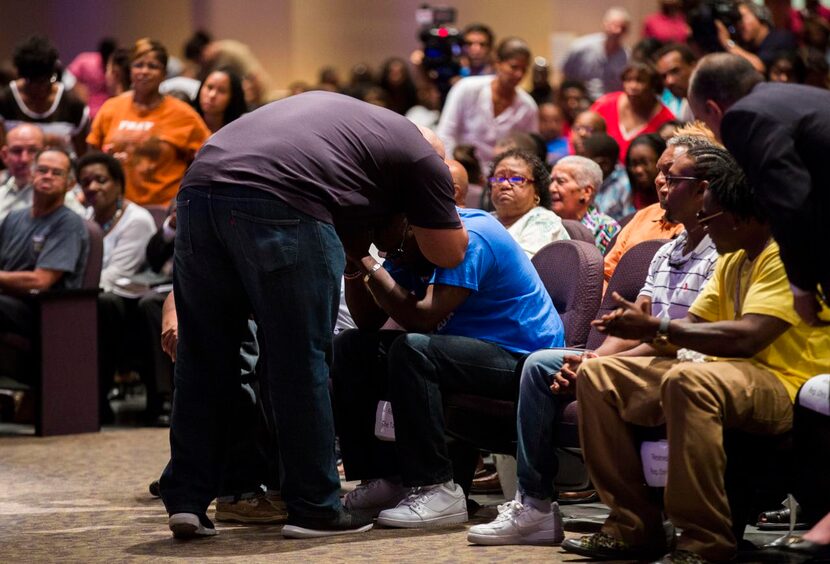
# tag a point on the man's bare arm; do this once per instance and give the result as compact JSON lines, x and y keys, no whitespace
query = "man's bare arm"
{"x":24,"y":281}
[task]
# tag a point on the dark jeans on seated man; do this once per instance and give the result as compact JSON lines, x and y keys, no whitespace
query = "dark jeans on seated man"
{"x":412,"y":371}
{"x":17,"y":315}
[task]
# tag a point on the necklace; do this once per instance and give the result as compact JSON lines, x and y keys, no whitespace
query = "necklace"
{"x":108,"y":225}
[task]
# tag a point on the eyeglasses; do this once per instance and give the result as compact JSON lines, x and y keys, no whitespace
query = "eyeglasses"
{"x":56,"y":172}
{"x":674,"y":180}
{"x":100,"y":179}
{"x":512,"y":180}
{"x":583,"y":129}
{"x":704,"y":219}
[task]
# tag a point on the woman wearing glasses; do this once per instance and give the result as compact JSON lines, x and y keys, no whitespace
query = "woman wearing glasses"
{"x":153,"y":136}
{"x":518,"y":190}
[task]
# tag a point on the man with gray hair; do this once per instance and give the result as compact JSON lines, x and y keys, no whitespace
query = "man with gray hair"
{"x":778,"y":133}
{"x":574,"y":182}
{"x":598,"y":59}
{"x":23,"y":142}
{"x":678,"y":272}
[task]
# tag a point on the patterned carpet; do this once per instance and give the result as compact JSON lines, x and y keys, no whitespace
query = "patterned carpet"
{"x":84,"y":498}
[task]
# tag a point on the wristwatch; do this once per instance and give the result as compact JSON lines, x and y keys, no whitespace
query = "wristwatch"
{"x":661,"y":339}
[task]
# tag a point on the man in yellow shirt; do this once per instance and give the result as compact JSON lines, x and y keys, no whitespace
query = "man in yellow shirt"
{"x":752,"y":352}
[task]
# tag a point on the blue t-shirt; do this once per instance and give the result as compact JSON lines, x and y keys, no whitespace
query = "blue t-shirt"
{"x":508,"y":305}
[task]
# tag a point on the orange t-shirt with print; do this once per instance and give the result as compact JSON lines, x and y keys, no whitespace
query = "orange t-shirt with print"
{"x":154,"y":146}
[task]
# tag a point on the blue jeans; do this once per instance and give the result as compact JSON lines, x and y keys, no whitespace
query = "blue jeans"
{"x":422,"y":368}
{"x":538,"y":413}
{"x":240,"y":250}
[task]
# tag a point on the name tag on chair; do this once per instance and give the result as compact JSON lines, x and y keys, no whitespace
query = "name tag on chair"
{"x":655,"y":456}
{"x":815,"y":394}
{"x":384,"y":422}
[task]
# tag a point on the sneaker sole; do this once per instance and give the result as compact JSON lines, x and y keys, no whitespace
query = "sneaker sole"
{"x":454,"y":519}
{"x":189,"y":531}
{"x":538,"y":539}
{"x":295,"y":532}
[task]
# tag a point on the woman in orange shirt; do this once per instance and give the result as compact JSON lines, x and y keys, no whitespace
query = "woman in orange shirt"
{"x":154,"y":136}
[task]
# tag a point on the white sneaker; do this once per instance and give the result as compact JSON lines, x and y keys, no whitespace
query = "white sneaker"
{"x":372,"y":497}
{"x":520,"y":524}
{"x":430,"y":506}
{"x":189,"y":526}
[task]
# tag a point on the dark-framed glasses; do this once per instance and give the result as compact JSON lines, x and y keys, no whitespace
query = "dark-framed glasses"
{"x":516,"y":180}
{"x":44,"y":170}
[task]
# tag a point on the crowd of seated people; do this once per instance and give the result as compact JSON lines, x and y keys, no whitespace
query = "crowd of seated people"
{"x":612,"y":146}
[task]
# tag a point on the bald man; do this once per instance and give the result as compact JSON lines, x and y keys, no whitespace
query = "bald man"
{"x":585,"y":124}
{"x":460,"y":182}
{"x":22,"y":144}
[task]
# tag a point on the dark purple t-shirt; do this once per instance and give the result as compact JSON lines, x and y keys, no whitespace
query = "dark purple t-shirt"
{"x":332,"y":157}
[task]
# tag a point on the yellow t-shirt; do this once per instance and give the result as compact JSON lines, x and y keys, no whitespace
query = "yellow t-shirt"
{"x":155,"y":146}
{"x":801,"y":352}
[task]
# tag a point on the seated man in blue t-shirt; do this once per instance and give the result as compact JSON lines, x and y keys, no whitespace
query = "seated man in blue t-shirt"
{"x":469,"y":326}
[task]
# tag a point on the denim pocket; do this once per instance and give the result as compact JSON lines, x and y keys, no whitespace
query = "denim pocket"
{"x":183,"y":245}
{"x":268,"y":244}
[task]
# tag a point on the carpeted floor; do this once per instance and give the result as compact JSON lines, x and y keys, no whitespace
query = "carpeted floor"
{"x":84,"y":498}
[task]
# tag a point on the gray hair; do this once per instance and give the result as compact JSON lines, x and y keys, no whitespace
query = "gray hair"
{"x":616,"y":13}
{"x":586,"y":171}
{"x":689,"y":141}
{"x":723,"y":78}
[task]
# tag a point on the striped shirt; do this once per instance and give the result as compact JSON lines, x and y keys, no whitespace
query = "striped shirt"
{"x":675,"y":280}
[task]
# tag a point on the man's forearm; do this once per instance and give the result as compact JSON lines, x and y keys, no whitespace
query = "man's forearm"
{"x":720,"y":338}
{"x":395,"y":300}
{"x":366,"y":313}
{"x":22,"y":282}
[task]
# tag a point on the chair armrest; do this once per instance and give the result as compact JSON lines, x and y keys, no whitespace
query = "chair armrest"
{"x":64,"y":293}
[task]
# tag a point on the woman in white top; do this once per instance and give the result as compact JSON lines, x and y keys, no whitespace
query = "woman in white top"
{"x":519,"y":192}
{"x":480,"y":110}
{"x":127,"y":227}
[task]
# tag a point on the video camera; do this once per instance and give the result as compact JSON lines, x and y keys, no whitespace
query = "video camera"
{"x":702,"y":19}
{"x":441,"y":44}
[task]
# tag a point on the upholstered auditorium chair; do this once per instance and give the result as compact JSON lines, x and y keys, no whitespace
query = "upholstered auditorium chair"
{"x":59,"y":365}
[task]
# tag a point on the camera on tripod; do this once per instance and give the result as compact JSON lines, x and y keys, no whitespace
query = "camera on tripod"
{"x":441,"y":44}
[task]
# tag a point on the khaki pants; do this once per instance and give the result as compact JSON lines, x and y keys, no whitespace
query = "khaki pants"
{"x":696,"y":401}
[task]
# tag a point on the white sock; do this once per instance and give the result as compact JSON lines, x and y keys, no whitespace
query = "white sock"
{"x":541,"y":505}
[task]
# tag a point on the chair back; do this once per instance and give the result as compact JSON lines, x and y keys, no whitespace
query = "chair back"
{"x":577,"y":231}
{"x":159,"y":214}
{"x":572,"y":274}
{"x":628,"y":280}
{"x":95,"y":259}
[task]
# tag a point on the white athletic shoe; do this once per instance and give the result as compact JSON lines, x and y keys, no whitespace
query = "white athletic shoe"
{"x":372,"y":497}
{"x":189,"y":526}
{"x":430,"y":506}
{"x":520,"y":524}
